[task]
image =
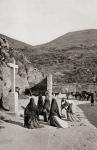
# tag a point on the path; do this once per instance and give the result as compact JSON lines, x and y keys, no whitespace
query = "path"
{"x":81,"y":136}
{"x":80,"y":114}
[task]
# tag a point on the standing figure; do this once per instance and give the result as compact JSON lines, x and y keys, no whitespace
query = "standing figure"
{"x":69,"y":112}
{"x":64,"y":104}
{"x":54,"y":117}
{"x":92,"y":99}
{"x":95,"y":96}
{"x":46,"y":109}
{"x":31,"y":115}
{"x":40,"y":105}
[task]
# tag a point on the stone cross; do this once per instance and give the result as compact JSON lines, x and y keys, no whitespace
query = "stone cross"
{"x":13,"y":66}
{"x":13,"y":96}
{"x":49,"y":86}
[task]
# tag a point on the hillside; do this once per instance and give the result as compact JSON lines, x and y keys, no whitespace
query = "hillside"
{"x":72,"y":39}
{"x":71,"y":58}
{"x":26,"y":75}
{"x":15,"y":43}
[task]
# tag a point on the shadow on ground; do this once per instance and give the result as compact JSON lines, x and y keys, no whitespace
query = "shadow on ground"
{"x":14,"y":122}
{"x":90,"y":112}
{"x":1,"y":127}
{"x":21,"y":124}
{"x":44,"y":123}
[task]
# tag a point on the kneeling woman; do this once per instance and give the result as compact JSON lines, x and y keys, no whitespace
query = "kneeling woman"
{"x":31,"y":115}
{"x":54,"y":117}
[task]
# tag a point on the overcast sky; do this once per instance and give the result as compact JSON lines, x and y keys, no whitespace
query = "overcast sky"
{"x":40,"y":21}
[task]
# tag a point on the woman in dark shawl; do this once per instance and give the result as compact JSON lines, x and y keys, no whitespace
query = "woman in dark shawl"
{"x":40,"y":105}
{"x":31,"y":115}
{"x":54,"y":117}
{"x":46,"y":109}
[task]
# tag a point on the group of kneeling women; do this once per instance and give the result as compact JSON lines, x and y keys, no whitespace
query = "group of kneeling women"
{"x":50,"y":113}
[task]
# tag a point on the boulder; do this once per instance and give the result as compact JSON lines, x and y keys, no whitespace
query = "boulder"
{"x":34,"y":76}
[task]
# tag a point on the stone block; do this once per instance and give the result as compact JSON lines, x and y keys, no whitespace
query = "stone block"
{"x":13,"y":102}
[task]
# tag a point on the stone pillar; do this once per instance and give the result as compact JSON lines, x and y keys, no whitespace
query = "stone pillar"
{"x":13,"y":96}
{"x":13,"y":102}
{"x":49,"y":86}
{"x":12,"y":74}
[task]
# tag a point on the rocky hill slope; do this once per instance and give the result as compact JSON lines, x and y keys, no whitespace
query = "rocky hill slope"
{"x":71,"y":58}
{"x":26,"y":75}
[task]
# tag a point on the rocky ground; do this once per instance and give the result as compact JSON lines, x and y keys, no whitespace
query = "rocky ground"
{"x":80,"y":135}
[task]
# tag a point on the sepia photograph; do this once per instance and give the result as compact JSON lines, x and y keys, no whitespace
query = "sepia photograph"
{"x":48,"y":74}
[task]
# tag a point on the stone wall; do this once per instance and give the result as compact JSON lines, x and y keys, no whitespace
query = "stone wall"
{"x":73,"y":87}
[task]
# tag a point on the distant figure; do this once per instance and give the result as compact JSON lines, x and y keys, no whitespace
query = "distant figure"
{"x":69,"y":112}
{"x":67,"y":95}
{"x":31,"y":115}
{"x":64,"y":104}
{"x":92,"y":99}
{"x":40,"y":105}
{"x":88,"y":96}
{"x":95,"y":96}
{"x":53,"y":95}
{"x":54,"y":117}
{"x":30,"y":93}
{"x":46,"y":109}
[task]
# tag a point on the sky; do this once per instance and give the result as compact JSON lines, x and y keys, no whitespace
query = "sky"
{"x":40,"y":21}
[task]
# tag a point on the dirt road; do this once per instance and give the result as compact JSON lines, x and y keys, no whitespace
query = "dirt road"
{"x":79,"y":136}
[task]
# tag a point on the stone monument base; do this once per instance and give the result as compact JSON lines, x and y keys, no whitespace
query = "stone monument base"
{"x":13,"y":102}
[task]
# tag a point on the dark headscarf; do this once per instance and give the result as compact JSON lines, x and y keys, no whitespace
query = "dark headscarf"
{"x":31,"y":108}
{"x":40,"y":101}
{"x":40,"y":104}
{"x":54,"y":111}
{"x":47,"y":104}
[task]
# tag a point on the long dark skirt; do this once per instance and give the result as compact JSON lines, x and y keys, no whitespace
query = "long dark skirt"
{"x":31,"y":122}
{"x":45,"y":114}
